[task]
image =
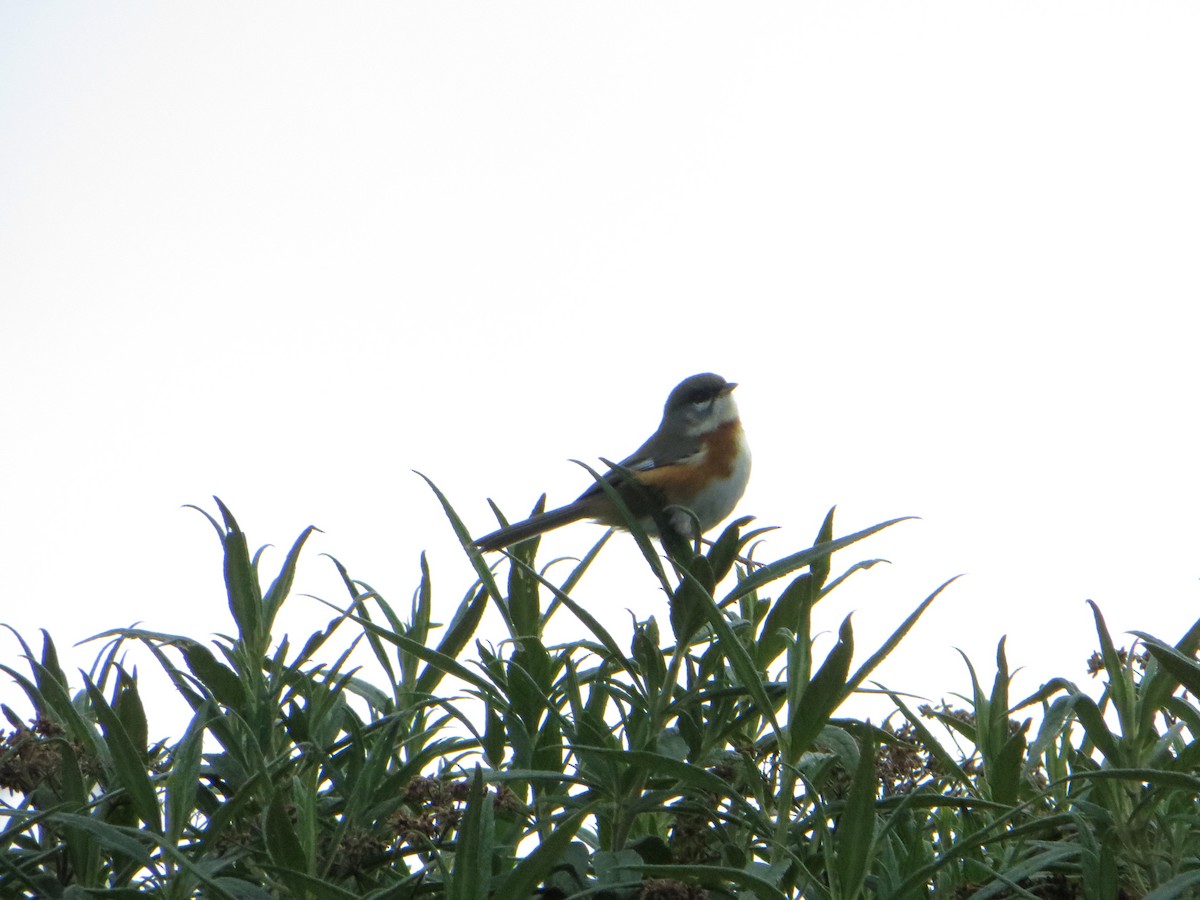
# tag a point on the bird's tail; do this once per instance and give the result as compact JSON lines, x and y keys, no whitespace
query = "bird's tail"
{"x":531,"y":527}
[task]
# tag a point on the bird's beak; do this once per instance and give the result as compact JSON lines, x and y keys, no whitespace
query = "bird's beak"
{"x":728,"y":387}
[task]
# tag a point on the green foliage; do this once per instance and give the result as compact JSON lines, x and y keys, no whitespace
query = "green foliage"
{"x":398,"y":757}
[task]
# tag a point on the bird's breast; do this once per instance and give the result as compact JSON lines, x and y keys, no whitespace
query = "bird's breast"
{"x":728,"y":464}
{"x":711,"y":482}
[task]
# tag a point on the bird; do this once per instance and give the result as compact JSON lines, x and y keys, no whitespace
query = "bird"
{"x":693,"y":470}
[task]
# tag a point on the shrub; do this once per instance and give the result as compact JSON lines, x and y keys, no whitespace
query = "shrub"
{"x":418,"y":762}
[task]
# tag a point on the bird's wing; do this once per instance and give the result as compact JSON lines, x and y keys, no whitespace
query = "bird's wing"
{"x":655,"y":453}
{"x":663,"y":451}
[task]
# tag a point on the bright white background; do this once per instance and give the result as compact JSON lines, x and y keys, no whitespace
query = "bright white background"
{"x":286,"y":253}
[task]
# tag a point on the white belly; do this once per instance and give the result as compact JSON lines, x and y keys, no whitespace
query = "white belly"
{"x":718,"y":501}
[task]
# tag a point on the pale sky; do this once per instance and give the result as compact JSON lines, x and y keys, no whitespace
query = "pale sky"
{"x":287,"y":253}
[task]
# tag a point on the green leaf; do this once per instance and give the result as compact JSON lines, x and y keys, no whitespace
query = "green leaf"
{"x":687,"y":604}
{"x":471,"y":871}
{"x":1180,"y":886}
{"x":647,"y":653}
{"x":854,"y":835}
{"x":821,"y":697}
{"x":1094,"y":726}
{"x":617,"y":868}
{"x":614,"y":653}
{"x":1178,"y":780}
{"x":724,"y":552}
{"x":697,"y":779}
{"x":364,"y":791}
{"x":718,"y":877}
{"x":789,"y":564}
{"x":359,"y":600}
{"x":1184,"y":669}
{"x":131,"y":713}
{"x":493,"y":737}
{"x":997,"y":720}
{"x":119,"y":840}
{"x":422,"y":604}
{"x":446,"y":664}
{"x":1054,"y":858}
{"x":282,"y":585}
{"x":241,"y":581}
{"x":1120,"y":680}
{"x":128,"y":761}
{"x":221,"y":681}
{"x":477,"y":561}
{"x":84,"y":853}
{"x":1003,"y":770}
{"x":739,"y":659}
{"x":312,"y":887}
{"x":785,"y":619}
{"x":820,"y":567}
{"x":283,"y":845}
{"x":523,"y":597}
{"x":461,"y":631}
{"x":184,"y":776}
{"x":50,"y":667}
{"x":538,"y":865}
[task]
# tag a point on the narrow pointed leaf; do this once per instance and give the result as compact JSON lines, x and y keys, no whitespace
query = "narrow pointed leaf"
{"x":789,"y":564}
{"x":855,"y":832}
{"x":128,"y":761}
{"x":282,"y":585}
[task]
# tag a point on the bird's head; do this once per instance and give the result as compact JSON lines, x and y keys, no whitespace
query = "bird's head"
{"x":699,"y":404}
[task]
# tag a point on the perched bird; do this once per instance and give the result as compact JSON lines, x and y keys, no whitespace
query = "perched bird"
{"x":694,"y":468}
